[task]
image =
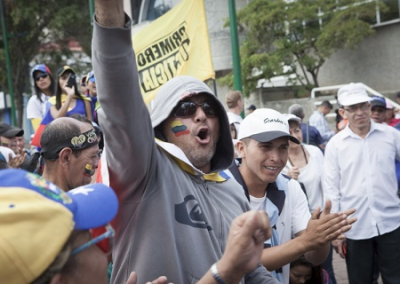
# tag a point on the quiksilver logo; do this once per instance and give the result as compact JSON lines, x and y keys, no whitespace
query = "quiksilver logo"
{"x":189,"y":213}
{"x":277,"y":120}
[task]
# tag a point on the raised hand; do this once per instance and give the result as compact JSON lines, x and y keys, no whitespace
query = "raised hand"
{"x":325,"y":226}
{"x":245,"y":245}
{"x":16,"y":161}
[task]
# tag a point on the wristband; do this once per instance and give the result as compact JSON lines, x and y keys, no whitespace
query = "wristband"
{"x":215,"y":274}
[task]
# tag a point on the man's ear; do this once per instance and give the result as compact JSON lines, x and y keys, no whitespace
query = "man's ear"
{"x":342,"y":113}
{"x":240,"y":147}
{"x":65,"y":156}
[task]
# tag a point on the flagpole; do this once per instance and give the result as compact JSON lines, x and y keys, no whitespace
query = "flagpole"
{"x":237,"y":74}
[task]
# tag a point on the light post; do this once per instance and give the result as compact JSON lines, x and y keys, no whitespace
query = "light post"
{"x":8,"y":65}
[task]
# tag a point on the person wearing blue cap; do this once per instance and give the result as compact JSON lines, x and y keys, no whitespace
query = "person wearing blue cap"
{"x":378,"y":109}
{"x":251,"y":108}
{"x":45,"y":236}
{"x":91,"y":84}
{"x":44,"y":86}
{"x":91,"y":92}
{"x":44,"y":231}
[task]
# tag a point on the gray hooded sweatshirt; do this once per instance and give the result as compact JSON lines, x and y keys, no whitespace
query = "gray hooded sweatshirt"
{"x":173,"y":219}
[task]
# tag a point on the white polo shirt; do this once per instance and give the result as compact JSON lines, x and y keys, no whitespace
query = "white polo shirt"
{"x":360,"y":173}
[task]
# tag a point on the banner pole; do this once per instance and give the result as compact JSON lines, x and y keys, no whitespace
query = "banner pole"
{"x":237,"y":74}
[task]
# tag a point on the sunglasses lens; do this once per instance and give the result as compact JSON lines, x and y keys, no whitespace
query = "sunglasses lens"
{"x":209,"y":109}
{"x":185,"y":109}
{"x":37,"y":78}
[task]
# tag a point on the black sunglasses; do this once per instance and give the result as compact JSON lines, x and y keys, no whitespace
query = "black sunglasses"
{"x":187,"y":109}
{"x":44,"y":75}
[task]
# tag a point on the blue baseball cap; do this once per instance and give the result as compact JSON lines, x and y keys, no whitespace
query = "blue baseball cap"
{"x":90,"y":76}
{"x":40,"y":67}
{"x":92,"y":206}
{"x":378,"y":102}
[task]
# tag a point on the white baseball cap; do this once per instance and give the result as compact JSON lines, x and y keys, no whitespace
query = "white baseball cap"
{"x":264,"y":125}
{"x":351,"y":94}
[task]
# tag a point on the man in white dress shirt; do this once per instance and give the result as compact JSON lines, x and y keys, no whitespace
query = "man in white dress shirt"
{"x":317,"y":119}
{"x":359,"y":172}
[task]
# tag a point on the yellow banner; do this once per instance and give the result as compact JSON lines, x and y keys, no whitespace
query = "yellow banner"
{"x":175,"y":44}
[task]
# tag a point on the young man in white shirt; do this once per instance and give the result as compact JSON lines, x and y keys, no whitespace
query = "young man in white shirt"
{"x":359,"y":172}
{"x":263,"y":146}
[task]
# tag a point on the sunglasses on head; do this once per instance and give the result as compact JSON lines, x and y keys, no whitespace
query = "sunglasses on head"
{"x":44,"y":75}
{"x":187,"y":109}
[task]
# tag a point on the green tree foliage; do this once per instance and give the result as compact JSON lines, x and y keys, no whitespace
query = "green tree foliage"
{"x":294,"y":38}
{"x":44,"y":28}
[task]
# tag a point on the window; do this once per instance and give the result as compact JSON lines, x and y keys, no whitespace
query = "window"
{"x":392,"y":13}
{"x":153,"y":9}
{"x":389,"y":14}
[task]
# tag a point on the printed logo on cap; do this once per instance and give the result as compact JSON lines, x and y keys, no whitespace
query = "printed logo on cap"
{"x":47,"y":189}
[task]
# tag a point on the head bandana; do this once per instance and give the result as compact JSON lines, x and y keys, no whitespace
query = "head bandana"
{"x":80,"y":142}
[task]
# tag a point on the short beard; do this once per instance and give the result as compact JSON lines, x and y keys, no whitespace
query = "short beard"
{"x":200,"y":160}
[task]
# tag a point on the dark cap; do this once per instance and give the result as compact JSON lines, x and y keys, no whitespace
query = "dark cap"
{"x":40,"y":67}
{"x":378,"y":102}
{"x":252,"y":107}
{"x":10,"y":131}
{"x":63,"y":69}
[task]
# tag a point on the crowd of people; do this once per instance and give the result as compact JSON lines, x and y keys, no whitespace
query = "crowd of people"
{"x":189,"y":192}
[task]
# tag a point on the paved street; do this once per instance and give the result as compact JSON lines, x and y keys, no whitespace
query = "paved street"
{"x":339,"y":266}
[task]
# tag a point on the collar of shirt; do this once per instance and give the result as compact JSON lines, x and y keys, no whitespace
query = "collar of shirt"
{"x":183,"y":162}
{"x":347,"y":132}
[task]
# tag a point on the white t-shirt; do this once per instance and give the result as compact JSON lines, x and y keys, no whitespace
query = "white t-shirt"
{"x":257,"y":203}
{"x":311,"y":176}
{"x":35,"y":108}
{"x":5,"y":152}
{"x":294,"y":215}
